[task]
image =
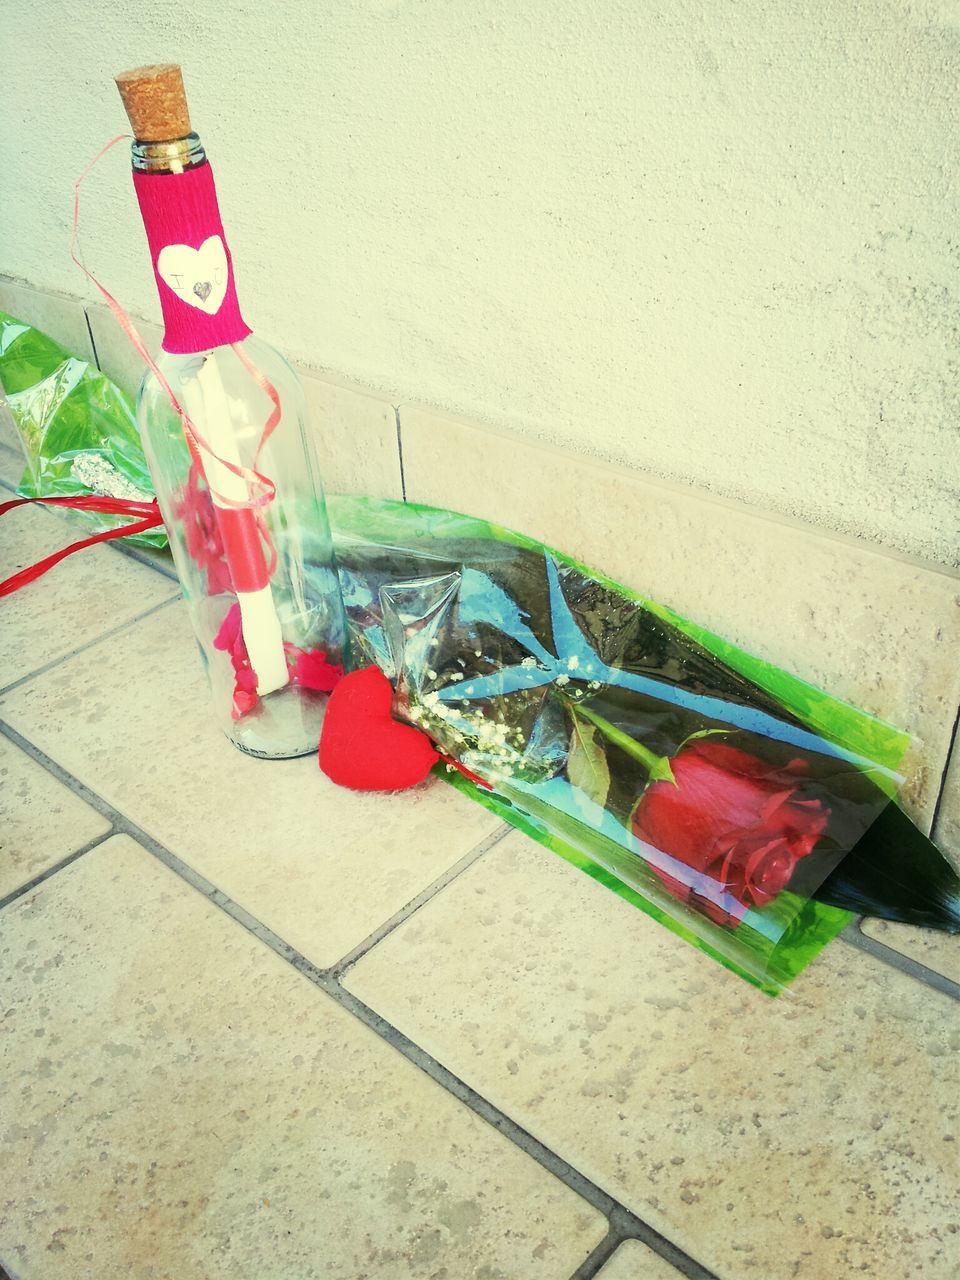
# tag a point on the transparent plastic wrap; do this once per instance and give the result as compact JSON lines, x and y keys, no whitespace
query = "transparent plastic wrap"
{"x":77,"y":428}
{"x":712,"y":789}
{"x":744,"y":809}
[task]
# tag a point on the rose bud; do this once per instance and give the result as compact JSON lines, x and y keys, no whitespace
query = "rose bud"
{"x":732,"y":818}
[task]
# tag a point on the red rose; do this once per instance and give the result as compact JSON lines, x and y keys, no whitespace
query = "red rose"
{"x":731,"y":818}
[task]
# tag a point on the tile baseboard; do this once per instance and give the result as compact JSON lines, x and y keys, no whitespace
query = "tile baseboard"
{"x":879,"y":630}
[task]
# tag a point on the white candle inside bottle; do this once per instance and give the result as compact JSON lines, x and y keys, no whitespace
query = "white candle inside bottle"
{"x":209,"y":407}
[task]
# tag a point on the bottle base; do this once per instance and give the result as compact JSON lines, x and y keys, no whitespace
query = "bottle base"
{"x":283,"y":726}
{"x":272,"y":754}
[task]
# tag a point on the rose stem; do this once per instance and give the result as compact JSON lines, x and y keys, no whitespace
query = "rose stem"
{"x":657,"y":766}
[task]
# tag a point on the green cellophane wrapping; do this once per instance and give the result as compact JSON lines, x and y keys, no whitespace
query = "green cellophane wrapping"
{"x":78,"y":429}
{"x":771,"y":946}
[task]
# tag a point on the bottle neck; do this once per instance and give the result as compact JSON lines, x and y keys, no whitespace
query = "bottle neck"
{"x":168,"y":157}
{"x":188,"y":249}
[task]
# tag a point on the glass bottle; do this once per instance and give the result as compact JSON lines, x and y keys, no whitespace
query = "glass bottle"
{"x":241,"y":495}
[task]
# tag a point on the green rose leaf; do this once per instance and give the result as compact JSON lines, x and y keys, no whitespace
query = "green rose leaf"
{"x":587,"y":766}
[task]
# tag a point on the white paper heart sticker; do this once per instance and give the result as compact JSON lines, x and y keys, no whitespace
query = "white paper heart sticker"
{"x":198,"y":276}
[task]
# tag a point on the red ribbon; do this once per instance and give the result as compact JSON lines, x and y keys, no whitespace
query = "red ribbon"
{"x":148,"y":512}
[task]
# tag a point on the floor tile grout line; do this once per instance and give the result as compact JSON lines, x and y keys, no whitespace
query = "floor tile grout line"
{"x":630,"y":1227}
{"x":436,"y":886}
{"x":616,"y":1213}
{"x":600,"y":1256}
{"x":681,"y":1262}
{"x":853,"y":936}
{"x":89,"y":644}
{"x":134,"y":553}
{"x":57,"y":867}
{"x":953,"y":744}
{"x":620,"y":1218}
{"x":403,"y":480}
{"x":93,"y":341}
{"x":91,"y":798}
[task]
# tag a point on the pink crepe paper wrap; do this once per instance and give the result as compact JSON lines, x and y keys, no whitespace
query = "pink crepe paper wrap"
{"x":191,"y":260}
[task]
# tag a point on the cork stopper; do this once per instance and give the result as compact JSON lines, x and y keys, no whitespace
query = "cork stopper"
{"x":155,"y":102}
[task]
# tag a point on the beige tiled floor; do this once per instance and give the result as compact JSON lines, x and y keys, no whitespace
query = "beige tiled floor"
{"x":507,"y":1069}
{"x":11,"y":469}
{"x":812,"y":1136}
{"x":192,"y":1107}
{"x":321,"y":867}
{"x":41,"y":821}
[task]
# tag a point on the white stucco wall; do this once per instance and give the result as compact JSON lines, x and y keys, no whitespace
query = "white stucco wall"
{"x":718,"y":241}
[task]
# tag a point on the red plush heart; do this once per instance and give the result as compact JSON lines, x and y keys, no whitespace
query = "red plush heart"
{"x":362,"y":746}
